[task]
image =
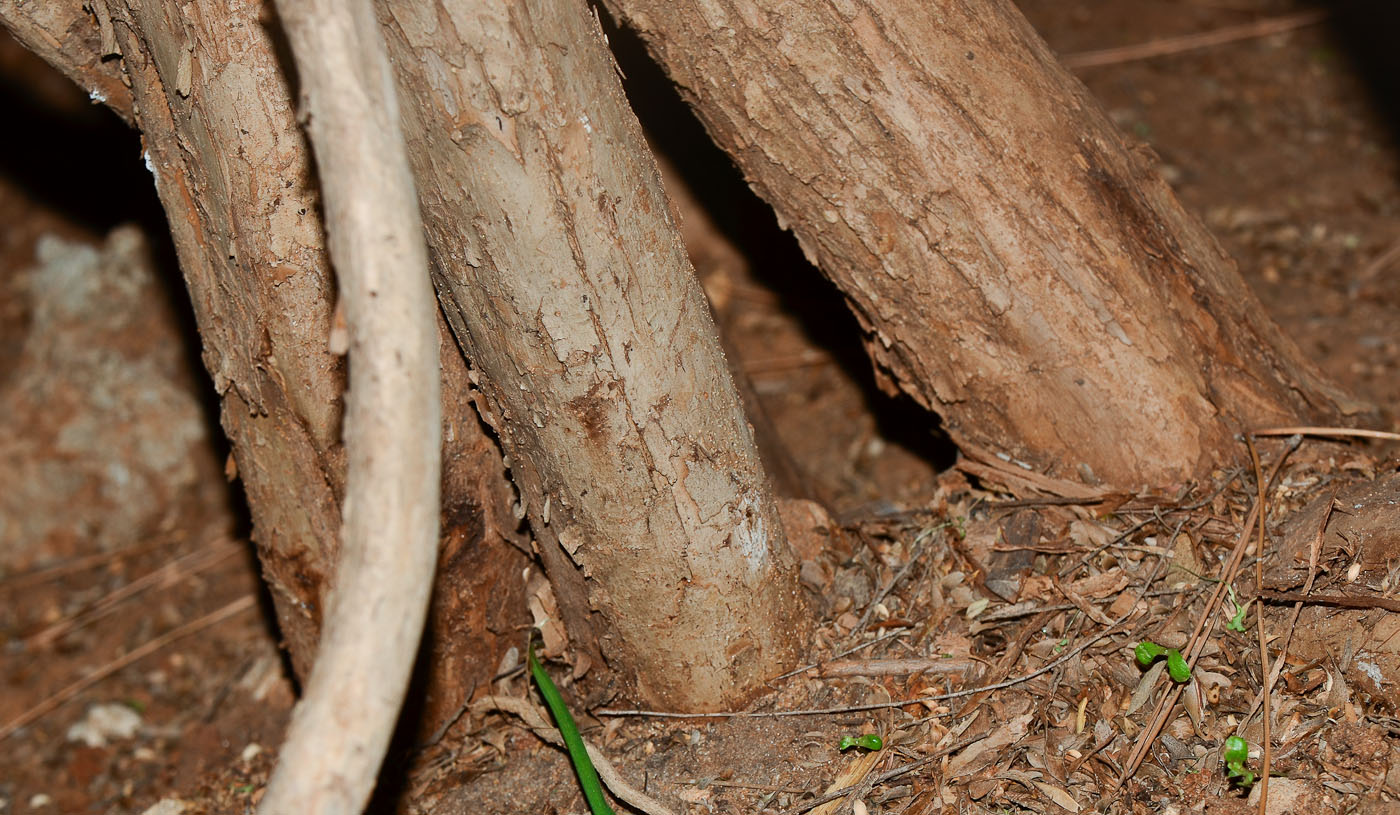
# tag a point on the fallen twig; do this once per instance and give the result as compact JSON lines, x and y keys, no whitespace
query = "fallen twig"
{"x":193,"y":627}
{"x":1338,"y":600}
{"x":26,"y":579}
{"x":896,"y":667}
{"x":1331,"y":432}
{"x":880,"y":596}
{"x":942,"y":697}
{"x":1259,"y":626}
{"x":1370,"y":270}
{"x":1193,"y":42}
{"x":888,"y":775}
{"x":844,"y":653}
{"x":167,"y":575}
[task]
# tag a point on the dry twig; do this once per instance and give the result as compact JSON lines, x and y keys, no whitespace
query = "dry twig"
{"x":1330,"y":432}
{"x":26,"y":579}
{"x":1338,"y":600}
{"x":1259,"y":626}
{"x":922,"y":700}
{"x":193,"y":627}
{"x":896,"y":667}
{"x":1375,"y":267}
{"x":168,"y":575}
{"x":1314,"y":552}
{"x":847,"y":652}
{"x":1193,"y":42}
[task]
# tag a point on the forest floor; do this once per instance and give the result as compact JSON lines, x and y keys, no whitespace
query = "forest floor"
{"x":987,"y":636}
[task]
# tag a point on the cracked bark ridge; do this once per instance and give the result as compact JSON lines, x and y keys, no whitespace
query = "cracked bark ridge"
{"x":1016,"y":268}
{"x":561,"y":271}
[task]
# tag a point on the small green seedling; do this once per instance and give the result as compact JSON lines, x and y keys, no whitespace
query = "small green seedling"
{"x":1148,"y":651}
{"x":578,"y":754}
{"x":1236,"y":753}
{"x":869,"y":741}
{"x":1237,"y":622}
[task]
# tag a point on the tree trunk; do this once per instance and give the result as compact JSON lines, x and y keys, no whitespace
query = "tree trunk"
{"x":563,"y":275}
{"x":1015,"y":267}
{"x":232,"y":171}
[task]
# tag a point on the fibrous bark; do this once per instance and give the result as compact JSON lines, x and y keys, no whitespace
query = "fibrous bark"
{"x":564,"y":278}
{"x":1015,"y":267}
{"x":77,"y":42}
{"x":393,"y":413}
{"x":233,"y":173}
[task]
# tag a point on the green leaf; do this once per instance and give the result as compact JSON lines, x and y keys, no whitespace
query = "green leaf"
{"x":1236,"y":750}
{"x":1177,"y":667}
{"x":1240,"y":776}
{"x":869,"y":741}
{"x":1235,"y":754}
{"x":1147,"y":651}
{"x":578,"y":754}
{"x":1237,"y":622}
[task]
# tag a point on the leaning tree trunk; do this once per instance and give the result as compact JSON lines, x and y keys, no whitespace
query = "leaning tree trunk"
{"x":1016,"y":268}
{"x":564,"y":277}
{"x":232,"y":170}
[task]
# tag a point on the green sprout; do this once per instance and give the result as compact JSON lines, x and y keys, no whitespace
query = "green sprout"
{"x":578,"y":754}
{"x":1148,"y":651}
{"x":1236,"y":753}
{"x":1237,"y":622}
{"x":869,"y":741}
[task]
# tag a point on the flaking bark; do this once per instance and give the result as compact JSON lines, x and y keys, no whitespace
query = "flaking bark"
{"x":563,"y":274}
{"x":1016,"y":268}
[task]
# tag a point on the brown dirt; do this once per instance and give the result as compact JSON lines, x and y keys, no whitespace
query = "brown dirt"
{"x":1282,"y":146}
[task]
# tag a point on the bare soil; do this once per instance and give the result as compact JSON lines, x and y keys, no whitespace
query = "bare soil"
{"x":1285,"y":145}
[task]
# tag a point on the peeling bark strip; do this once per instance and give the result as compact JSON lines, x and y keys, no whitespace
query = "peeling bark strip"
{"x":1016,"y":268}
{"x":341,"y":727}
{"x":563,"y":274}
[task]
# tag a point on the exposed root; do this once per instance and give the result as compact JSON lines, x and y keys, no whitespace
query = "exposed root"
{"x":379,"y":599}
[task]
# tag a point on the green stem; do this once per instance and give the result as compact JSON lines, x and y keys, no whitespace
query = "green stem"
{"x":578,"y":754}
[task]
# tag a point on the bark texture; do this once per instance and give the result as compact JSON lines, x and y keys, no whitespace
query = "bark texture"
{"x":1016,"y":268}
{"x":77,"y":42}
{"x":563,"y":275}
{"x":393,"y":415}
{"x":233,"y":173}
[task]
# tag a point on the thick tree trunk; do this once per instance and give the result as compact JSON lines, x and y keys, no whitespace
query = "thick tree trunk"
{"x":1017,"y":269}
{"x":232,"y":170}
{"x":564,"y":277}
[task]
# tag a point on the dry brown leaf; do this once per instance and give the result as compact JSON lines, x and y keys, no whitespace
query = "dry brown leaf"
{"x":1185,"y":567}
{"x":1090,"y":610}
{"x":1101,"y":585}
{"x":1061,"y":798}
{"x":1039,"y":587}
{"x":1008,"y":734}
{"x":1143,"y":691}
{"x":1091,"y":533}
